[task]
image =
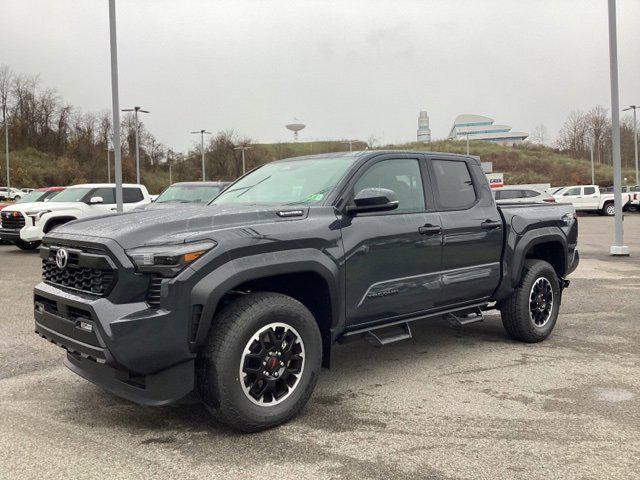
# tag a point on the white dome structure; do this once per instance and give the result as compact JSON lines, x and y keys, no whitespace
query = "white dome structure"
{"x":479,"y":127}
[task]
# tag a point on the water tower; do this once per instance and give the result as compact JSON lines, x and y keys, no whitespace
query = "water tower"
{"x":295,"y":128}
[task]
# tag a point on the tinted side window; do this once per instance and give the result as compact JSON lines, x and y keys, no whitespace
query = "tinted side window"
{"x":572,"y":191}
{"x":589,"y":190}
{"x":454,"y":187}
{"x":131,"y":195}
{"x":511,"y":194}
{"x":108,"y":195}
{"x":531,"y":193}
{"x":401,"y":176}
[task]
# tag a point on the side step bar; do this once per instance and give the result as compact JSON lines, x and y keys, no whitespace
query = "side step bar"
{"x":392,"y":334}
{"x":460,"y":321}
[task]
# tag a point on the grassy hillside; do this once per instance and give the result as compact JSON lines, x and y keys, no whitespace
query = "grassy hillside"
{"x":523,"y":164}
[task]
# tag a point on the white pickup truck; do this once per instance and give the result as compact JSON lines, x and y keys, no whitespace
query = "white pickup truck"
{"x":24,"y":224}
{"x":589,"y":198}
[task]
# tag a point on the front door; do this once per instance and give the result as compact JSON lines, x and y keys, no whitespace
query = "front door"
{"x":392,"y":258}
{"x":472,"y":231}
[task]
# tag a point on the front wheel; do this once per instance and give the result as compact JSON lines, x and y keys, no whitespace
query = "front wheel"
{"x":22,"y":245}
{"x":530,"y":313}
{"x":261,"y":362}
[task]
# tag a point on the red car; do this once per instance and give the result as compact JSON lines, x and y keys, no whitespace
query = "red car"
{"x":38,"y":195}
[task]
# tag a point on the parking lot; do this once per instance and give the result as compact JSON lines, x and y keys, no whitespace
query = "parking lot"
{"x":450,"y":403}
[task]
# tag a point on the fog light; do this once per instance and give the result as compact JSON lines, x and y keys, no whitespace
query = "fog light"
{"x":87,"y":327}
{"x":39,"y":307}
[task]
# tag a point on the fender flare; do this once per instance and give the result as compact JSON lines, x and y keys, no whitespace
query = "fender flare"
{"x":530,"y":240}
{"x":212,"y":287}
{"x":49,"y":221}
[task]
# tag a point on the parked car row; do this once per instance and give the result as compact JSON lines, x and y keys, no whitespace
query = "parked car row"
{"x":26,"y":221}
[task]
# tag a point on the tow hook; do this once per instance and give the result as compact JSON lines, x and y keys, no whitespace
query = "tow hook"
{"x":565,"y":283}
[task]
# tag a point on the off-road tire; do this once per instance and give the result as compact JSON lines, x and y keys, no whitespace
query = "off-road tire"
{"x":516,"y":316}
{"x":218,"y":365}
{"x":22,"y":245}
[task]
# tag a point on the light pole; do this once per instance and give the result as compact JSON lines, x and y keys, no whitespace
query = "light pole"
{"x":467,"y":144}
{"x":635,"y":136}
{"x":350,"y":143}
{"x":593,"y":172}
{"x":6,"y":139}
{"x":136,"y":110}
{"x":202,"y":134}
{"x":618,"y":248}
{"x":115,"y":103}
{"x":170,"y":181}
{"x":108,"y":165}
{"x":243,"y":148}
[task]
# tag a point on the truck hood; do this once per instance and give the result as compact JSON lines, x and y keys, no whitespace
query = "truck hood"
{"x":53,"y":206}
{"x":175,"y":224}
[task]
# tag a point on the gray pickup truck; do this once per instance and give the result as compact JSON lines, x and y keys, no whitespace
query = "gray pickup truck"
{"x":239,"y":302}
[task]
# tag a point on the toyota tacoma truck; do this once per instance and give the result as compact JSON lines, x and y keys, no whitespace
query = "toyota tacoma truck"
{"x":239,"y":302}
{"x":24,"y":224}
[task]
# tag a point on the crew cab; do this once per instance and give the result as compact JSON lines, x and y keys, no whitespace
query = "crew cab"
{"x":241,"y":301}
{"x":10,"y":193}
{"x":24,"y":224}
{"x":589,"y":198}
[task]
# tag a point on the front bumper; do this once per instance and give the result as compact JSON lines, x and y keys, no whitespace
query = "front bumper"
{"x":134,"y":351}
{"x":9,"y":234}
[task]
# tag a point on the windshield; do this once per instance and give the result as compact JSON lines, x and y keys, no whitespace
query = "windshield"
{"x":289,"y":182}
{"x":34,"y":196}
{"x":189,"y":194}
{"x":70,"y":195}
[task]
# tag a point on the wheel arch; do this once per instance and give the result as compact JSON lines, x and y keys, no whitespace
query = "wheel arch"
{"x":550,"y":247}
{"x":55,"y":221}
{"x":312,"y":282}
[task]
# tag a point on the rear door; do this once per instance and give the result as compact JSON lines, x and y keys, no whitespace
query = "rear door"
{"x":590,"y":198}
{"x":472,"y":230}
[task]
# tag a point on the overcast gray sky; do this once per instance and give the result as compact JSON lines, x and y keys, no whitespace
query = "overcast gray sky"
{"x":349,"y":68}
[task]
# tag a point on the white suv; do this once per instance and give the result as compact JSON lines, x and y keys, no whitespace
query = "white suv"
{"x":24,"y":224}
{"x":11,"y":194}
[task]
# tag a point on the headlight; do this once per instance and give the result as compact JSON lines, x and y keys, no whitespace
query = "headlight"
{"x":37,"y":214}
{"x":168,"y":259}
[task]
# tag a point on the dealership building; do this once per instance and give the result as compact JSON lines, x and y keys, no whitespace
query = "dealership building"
{"x":479,"y":127}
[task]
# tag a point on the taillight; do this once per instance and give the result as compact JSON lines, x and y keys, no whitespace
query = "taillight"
{"x":550,"y":200}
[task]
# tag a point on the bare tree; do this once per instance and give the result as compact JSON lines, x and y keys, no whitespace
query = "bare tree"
{"x":539,"y":135}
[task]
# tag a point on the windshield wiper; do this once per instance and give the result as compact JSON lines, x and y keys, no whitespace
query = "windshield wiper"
{"x":246,"y":189}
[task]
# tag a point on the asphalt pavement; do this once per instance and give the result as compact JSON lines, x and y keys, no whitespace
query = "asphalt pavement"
{"x":450,"y":403}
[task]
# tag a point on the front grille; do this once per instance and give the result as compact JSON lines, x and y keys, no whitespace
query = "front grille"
{"x":13,"y":220}
{"x":153,"y":293}
{"x":83,"y":279}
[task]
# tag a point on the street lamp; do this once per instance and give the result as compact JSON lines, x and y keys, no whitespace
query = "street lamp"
{"x":115,"y":103}
{"x":635,"y":136}
{"x":243,"y":148}
{"x":108,"y":165}
{"x":618,"y":248}
{"x":350,"y":143}
{"x":202,"y":134}
{"x":136,"y":110}
{"x":6,"y":139}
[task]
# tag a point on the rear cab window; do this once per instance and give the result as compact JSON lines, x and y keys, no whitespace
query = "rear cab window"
{"x":454,"y":186}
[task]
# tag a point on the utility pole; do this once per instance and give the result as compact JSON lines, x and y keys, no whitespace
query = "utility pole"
{"x":115,"y":103}
{"x":243,"y":148}
{"x":202,"y":134}
{"x":618,"y":248}
{"x":350,"y":143}
{"x":635,"y":137}
{"x":467,"y":144}
{"x":137,"y":128}
{"x":170,"y":181}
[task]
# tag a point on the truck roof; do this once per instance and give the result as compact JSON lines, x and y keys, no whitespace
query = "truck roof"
{"x":371,"y":153}
{"x":104,"y":185}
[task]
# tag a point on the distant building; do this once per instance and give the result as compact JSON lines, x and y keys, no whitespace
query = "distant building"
{"x":478,"y":127}
{"x":424,"y":132}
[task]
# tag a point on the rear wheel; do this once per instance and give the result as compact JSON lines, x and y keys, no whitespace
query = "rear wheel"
{"x":21,"y":244}
{"x":261,"y":362}
{"x":530,"y":313}
{"x":609,"y":209}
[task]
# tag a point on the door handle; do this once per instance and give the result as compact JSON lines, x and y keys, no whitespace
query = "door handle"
{"x":429,"y":229}
{"x":490,"y":225}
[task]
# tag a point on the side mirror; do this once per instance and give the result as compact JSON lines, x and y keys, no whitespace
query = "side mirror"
{"x":95,"y":200}
{"x":374,"y":200}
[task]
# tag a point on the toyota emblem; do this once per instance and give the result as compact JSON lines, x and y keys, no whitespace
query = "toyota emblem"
{"x":62,"y":257}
